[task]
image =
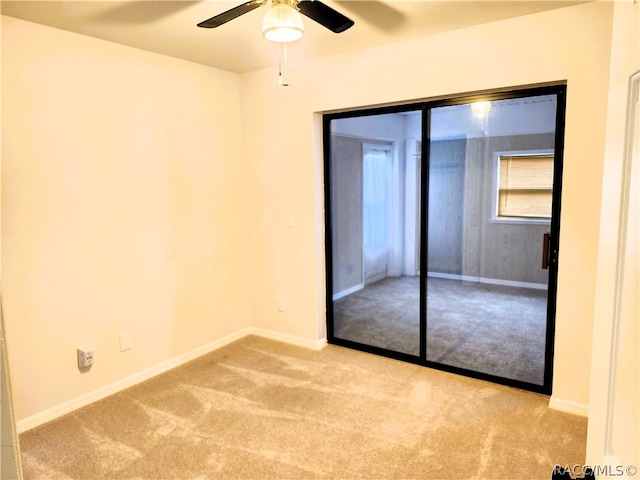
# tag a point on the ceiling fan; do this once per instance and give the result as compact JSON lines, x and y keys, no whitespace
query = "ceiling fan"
{"x":282,"y":22}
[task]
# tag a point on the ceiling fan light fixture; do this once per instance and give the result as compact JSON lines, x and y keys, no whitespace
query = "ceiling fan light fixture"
{"x":481,"y":108}
{"x":282,"y":24}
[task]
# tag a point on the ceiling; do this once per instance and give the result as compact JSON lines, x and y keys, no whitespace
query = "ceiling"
{"x":169,"y":27}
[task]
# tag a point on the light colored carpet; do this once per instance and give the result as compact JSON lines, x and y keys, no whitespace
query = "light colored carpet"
{"x":494,"y":329}
{"x":260,"y":409}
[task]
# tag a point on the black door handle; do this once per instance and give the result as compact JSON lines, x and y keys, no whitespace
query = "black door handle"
{"x":545,"y":251}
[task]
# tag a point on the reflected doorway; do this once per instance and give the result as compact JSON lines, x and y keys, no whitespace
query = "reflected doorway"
{"x":375,"y":231}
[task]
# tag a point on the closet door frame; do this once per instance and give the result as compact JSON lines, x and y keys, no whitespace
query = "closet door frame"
{"x":557,"y":88}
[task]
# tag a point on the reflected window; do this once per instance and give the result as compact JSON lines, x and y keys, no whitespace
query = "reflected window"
{"x":524,"y":186}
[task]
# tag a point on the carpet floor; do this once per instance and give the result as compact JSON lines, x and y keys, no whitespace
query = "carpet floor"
{"x":494,"y":329}
{"x":259,"y":409}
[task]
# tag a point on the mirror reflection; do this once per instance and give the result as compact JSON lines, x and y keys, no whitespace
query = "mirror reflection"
{"x":375,"y":210}
{"x":486,"y":183}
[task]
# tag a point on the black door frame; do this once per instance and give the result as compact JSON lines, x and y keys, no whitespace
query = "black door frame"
{"x":425,"y":107}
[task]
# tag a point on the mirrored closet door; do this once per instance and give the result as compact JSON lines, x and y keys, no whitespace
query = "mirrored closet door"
{"x":442,"y":232}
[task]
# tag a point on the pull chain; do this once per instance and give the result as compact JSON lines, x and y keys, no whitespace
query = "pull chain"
{"x":282,"y":65}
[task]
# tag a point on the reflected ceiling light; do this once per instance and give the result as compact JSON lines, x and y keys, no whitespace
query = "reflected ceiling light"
{"x":282,"y":23}
{"x":481,"y":107}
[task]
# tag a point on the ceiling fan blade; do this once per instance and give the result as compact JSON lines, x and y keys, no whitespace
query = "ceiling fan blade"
{"x":325,"y":15}
{"x":229,"y":15}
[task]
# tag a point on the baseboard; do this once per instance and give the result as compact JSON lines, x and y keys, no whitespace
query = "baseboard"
{"x":375,"y":278}
{"x":491,"y":281}
{"x":569,"y":406}
{"x":290,"y":339}
{"x":348,"y":291}
{"x":71,"y":405}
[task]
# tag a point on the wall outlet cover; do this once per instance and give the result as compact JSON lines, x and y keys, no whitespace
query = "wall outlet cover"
{"x":85,"y":356}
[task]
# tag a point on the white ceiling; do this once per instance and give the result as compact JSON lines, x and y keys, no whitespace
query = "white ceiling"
{"x":169,"y":27}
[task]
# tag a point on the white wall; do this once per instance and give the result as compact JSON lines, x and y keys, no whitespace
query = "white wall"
{"x":122,"y":210}
{"x":570,"y":44}
{"x":124,"y":179}
{"x":615,"y":440}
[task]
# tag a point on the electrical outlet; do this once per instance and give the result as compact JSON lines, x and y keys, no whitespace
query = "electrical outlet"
{"x":85,"y":356}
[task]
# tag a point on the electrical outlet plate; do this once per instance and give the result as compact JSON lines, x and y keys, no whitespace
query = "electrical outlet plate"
{"x":85,"y":356}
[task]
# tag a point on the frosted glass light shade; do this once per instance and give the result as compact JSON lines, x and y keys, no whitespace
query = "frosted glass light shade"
{"x":282,"y":24}
{"x":481,"y":107}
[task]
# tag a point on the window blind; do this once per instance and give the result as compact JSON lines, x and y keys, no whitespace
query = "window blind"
{"x":525,"y":186}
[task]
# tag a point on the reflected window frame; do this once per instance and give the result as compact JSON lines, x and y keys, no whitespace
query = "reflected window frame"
{"x":495,"y":217}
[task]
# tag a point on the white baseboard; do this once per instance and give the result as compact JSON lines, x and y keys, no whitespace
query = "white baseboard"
{"x":348,"y":291}
{"x":569,"y":406}
{"x":290,"y":339}
{"x":75,"y":403}
{"x":492,"y":281}
{"x":375,"y":278}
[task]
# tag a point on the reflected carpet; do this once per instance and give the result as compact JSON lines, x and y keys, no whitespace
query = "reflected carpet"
{"x":494,"y":329}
